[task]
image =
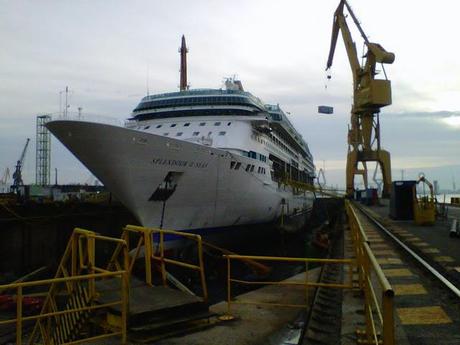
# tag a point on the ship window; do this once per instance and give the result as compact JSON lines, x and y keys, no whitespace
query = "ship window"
{"x":158,"y":126}
{"x":216,"y":123}
{"x":252,"y":168}
{"x":259,"y":170}
{"x":178,"y":134}
{"x":252,"y":154}
{"x":195,"y":134}
{"x":187,"y":124}
{"x":228,"y":124}
{"x":237,"y":166}
{"x":165,"y":134}
{"x":232,"y":164}
{"x":209,"y":133}
{"x":222,"y":133}
{"x":202,"y":123}
{"x":146,"y":127}
{"x":173,"y":125}
{"x":248,"y":167}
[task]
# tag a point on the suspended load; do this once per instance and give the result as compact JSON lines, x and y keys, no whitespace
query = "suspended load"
{"x":324,"y":109}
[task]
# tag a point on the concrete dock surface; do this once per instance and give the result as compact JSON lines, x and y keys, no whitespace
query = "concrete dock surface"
{"x":253,"y":323}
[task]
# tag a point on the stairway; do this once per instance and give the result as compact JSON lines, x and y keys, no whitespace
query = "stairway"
{"x":156,"y":311}
{"x":68,"y":326}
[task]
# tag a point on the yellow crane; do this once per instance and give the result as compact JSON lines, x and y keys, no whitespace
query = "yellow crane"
{"x":369,"y":95}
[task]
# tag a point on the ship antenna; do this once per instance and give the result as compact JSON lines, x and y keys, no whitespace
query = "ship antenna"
{"x":148,"y":80}
{"x":183,"y":65}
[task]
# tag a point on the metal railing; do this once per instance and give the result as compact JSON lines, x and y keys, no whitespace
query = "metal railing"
{"x":378,"y":309}
{"x":152,"y":245}
{"x":72,"y":295}
{"x":302,"y":186}
{"x":305,"y":283}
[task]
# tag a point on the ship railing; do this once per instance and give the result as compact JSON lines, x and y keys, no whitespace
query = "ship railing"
{"x":95,"y":118}
{"x":301,"y":186}
{"x":306,"y":282}
{"x":55,"y":311}
{"x":378,"y":293}
{"x":153,"y":245}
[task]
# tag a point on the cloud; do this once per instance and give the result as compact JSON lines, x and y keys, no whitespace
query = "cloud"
{"x":279,"y":51}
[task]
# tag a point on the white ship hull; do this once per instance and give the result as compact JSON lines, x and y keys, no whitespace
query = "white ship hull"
{"x":209,"y":194}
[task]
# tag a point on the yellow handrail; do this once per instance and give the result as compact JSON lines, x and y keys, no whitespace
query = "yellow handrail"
{"x":77,"y":264}
{"x":367,"y":264}
{"x":19,"y":296}
{"x":158,"y":254}
{"x":305,"y":283}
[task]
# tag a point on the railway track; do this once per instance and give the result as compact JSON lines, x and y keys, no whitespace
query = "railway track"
{"x":426,"y":302}
{"x":435,"y":269}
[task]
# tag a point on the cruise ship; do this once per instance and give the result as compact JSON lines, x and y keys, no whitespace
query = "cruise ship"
{"x":198,"y":159}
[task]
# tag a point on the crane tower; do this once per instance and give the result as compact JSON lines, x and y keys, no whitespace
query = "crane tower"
{"x":369,"y":95}
{"x":43,"y":151}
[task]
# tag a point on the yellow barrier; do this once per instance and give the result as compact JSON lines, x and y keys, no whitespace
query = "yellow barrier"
{"x":301,"y":186}
{"x":367,"y":265}
{"x":157,"y":252}
{"x":75,"y":281}
{"x":306,"y":283}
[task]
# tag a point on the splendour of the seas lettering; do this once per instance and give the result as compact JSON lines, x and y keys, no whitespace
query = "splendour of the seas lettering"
{"x":179,"y":163}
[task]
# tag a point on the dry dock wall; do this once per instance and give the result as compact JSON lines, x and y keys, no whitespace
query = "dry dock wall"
{"x":33,"y":235}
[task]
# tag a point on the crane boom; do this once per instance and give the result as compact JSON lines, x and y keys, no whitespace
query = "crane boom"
{"x":17,"y":175}
{"x":369,"y":95}
{"x":23,"y":154}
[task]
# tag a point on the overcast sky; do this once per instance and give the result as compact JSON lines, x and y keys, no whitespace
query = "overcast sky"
{"x":104,"y":51}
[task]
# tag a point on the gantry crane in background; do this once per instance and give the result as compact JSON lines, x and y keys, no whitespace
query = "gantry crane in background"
{"x":17,"y":175}
{"x":369,"y":95}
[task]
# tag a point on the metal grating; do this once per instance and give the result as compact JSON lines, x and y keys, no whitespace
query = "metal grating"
{"x":43,"y":151}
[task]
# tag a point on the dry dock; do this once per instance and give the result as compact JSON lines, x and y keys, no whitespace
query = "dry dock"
{"x":383,"y":282}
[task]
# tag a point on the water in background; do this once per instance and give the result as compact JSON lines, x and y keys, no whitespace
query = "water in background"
{"x":440,"y":197}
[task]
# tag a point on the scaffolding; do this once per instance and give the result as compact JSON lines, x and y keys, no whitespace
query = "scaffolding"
{"x":43,"y":151}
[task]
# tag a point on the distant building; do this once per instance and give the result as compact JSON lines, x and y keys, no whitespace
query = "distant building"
{"x":436,"y":187}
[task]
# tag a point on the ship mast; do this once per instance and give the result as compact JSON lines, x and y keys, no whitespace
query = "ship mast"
{"x":183,"y":65}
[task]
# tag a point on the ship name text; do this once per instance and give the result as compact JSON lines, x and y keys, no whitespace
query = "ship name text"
{"x":179,"y":163}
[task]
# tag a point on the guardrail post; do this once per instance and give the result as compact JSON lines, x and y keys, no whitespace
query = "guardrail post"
{"x":367,"y":297}
{"x":306,"y":283}
{"x":125,"y":305}
{"x":19,"y":315}
{"x":202,"y":273}
{"x":148,"y":242}
{"x":388,"y":318}
{"x":162,"y":257}
{"x":229,"y":295}
{"x":91,"y":243}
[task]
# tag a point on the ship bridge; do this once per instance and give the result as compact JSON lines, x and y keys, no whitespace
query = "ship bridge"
{"x":202,"y":102}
